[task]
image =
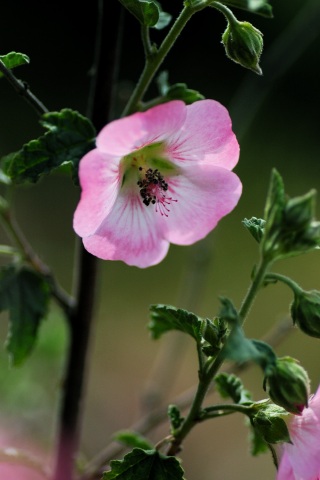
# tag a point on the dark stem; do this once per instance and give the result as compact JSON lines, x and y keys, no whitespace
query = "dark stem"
{"x":23,"y":89}
{"x":101,"y":104}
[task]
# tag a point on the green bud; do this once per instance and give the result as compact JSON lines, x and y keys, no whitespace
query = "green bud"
{"x":299,"y":211}
{"x":305,"y":312}
{"x":287,"y":384}
{"x":243,"y":44}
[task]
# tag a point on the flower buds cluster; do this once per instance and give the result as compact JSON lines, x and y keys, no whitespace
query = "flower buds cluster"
{"x":243,"y":44}
{"x":287,"y":384}
{"x":290,"y":226}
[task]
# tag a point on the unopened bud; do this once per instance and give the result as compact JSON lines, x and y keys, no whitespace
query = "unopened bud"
{"x":287,"y":384}
{"x":305,"y":312}
{"x":299,"y":211}
{"x":243,"y":44}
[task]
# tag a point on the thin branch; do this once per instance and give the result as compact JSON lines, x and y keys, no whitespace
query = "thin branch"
{"x":23,"y":90}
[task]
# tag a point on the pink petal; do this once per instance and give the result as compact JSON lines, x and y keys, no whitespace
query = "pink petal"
{"x":99,"y":180}
{"x":125,"y":135}
{"x":130,"y":233}
{"x":204,"y":195}
{"x":206,"y":136}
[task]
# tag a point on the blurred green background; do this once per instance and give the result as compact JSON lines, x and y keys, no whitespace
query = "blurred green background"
{"x":276,"y":118}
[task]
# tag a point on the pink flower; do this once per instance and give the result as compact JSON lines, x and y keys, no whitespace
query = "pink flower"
{"x":158,"y":177}
{"x":301,"y":459}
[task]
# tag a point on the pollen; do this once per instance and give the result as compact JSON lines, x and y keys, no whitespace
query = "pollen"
{"x":153,"y":190}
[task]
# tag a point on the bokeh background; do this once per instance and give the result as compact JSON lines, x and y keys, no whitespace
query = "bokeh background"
{"x":276,"y":118}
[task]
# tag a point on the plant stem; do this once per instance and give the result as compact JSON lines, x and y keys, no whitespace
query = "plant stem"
{"x":286,"y":280}
{"x":28,"y":254}
{"x":206,"y":377}
{"x":182,"y":401}
{"x":155,"y":59}
{"x":22,"y":89}
{"x":101,"y":105}
{"x":253,"y":290}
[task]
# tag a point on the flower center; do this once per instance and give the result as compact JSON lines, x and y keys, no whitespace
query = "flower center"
{"x":153,"y":189}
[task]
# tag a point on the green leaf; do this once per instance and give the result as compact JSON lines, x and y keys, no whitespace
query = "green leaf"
{"x":164,"y":19}
{"x":178,"y":91}
{"x":132,"y":439}
{"x":166,"y":317}
{"x":147,"y":12}
{"x":13,"y":59}
{"x":260,"y":7}
{"x":257,"y":444}
{"x":229,"y":385}
{"x":175,"y":417}
{"x":241,"y":349}
{"x":272,"y":428}
{"x":255,"y":227}
{"x":145,"y":465}
{"x":69,"y":137}
{"x":26,"y":295}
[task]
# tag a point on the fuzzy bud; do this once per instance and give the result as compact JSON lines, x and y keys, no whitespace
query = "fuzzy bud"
{"x":287,"y":384}
{"x":243,"y":44}
{"x":305,"y":312}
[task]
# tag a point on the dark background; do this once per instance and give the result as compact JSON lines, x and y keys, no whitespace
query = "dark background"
{"x":276,"y":118}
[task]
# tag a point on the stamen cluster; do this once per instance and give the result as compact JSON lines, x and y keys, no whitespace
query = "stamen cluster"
{"x":150,"y":186}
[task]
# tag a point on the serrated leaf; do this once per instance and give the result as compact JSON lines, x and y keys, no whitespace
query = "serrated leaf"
{"x":13,"y":59}
{"x":260,"y":7}
{"x":145,"y":465}
{"x":26,"y":295}
{"x":147,"y":12}
{"x":132,"y":439}
{"x":166,"y":317}
{"x":229,"y":385}
{"x":69,"y":137}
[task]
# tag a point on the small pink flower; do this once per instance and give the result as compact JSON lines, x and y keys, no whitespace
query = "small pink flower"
{"x":301,"y":459}
{"x":157,"y":177}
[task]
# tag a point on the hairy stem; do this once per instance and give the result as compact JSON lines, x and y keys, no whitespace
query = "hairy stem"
{"x":155,"y":58}
{"x":206,"y":376}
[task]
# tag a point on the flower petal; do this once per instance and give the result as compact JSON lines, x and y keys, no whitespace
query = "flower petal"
{"x":129,"y":233}
{"x":204,"y":195}
{"x":123,"y":136}
{"x":206,"y":136}
{"x":100,"y":184}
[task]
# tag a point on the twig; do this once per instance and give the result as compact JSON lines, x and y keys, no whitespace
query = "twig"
{"x":23,"y":89}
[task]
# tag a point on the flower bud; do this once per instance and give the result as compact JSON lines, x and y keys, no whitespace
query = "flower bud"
{"x":243,"y":44}
{"x":305,"y":312}
{"x":299,"y":211}
{"x":287,"y":384}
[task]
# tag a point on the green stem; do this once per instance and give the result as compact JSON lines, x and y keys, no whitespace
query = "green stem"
{"x":231,"y":408}
{"x":253,"y":290}
{"x":206,"y":376}
{"x":286,"y":280}
{"x":226,"y":12}
{"x":8,"y":251}
{"x":155,"y":58}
